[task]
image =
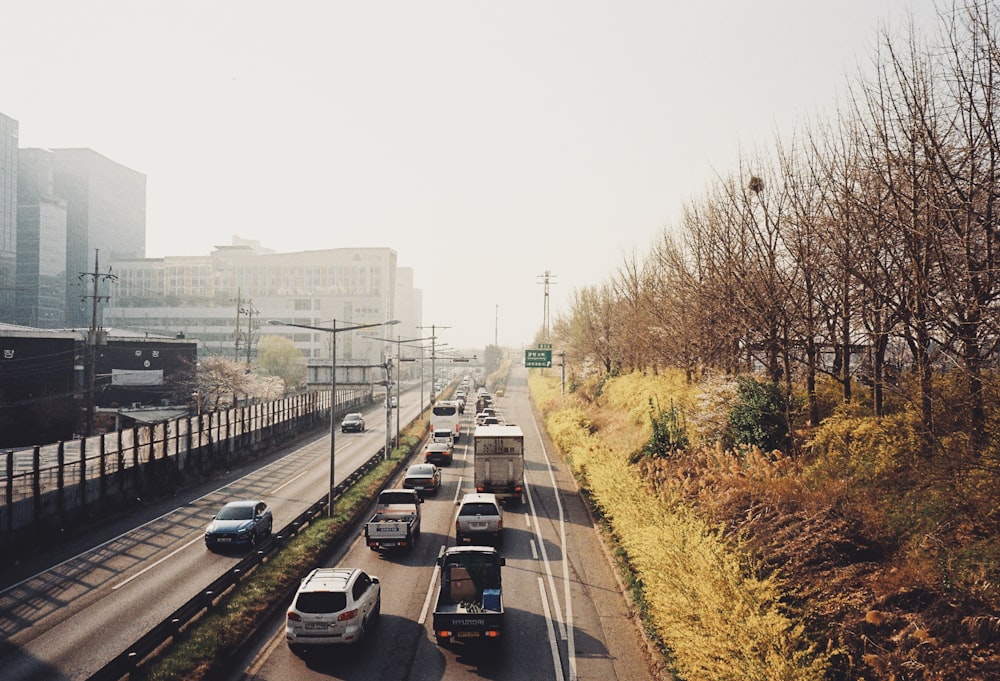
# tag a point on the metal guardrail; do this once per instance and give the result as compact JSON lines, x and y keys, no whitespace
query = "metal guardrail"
{"x":128,"y":661}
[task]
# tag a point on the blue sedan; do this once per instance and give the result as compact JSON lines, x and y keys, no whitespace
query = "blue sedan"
{"x":239,"y":523}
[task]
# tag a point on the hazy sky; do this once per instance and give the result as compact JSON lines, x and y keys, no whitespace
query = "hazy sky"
{"x":486,"y":142}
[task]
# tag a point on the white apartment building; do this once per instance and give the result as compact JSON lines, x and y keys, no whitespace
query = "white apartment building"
{"x":224,"y":301}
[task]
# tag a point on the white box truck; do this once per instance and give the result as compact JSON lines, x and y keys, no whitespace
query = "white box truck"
{"x":498,"y":458}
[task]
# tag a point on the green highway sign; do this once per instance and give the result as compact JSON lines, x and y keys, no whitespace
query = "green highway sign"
{"x":537,"y":359}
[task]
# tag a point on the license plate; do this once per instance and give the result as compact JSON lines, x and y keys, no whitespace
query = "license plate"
{"x":467,"y":634}
{"x":223,"y":540}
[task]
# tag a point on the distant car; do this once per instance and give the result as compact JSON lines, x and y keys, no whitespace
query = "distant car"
{"x":392,"y":402}
{"x":354,"y":422}
{"x":332,"y":606}
{"x":239,"y":523}
{"x":479,"y":517}
{"x":423,"y":477}
{"x":438,"y":453}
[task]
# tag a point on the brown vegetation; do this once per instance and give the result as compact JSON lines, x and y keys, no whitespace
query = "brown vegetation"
{"x":888,"y":560}
{"x":855,"y":275}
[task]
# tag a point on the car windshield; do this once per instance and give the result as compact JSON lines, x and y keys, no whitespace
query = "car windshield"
{"x":321,"y":601}
{"x":235,"y":513}
{"x":353,"y":417}
{"x":419,"y":471}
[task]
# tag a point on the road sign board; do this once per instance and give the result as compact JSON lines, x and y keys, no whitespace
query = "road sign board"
{"x":537,"y":359}
{"x":543,"y":346}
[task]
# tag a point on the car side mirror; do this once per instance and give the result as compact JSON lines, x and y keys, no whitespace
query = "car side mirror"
{"x":374,"y":579}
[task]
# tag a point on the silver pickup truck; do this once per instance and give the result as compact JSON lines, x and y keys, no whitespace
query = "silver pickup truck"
{"x":396,"y":522}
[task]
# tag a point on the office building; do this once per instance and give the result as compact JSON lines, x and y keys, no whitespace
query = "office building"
{"x":8,"y":216}
{"x":41,"y":243}
{"x":224,"y":300}
{"x":105,"y":222}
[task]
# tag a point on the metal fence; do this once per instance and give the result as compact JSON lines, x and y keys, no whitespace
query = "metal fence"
{"x":55,"y":486}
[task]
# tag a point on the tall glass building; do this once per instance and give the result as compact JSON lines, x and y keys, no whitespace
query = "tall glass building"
{"x":41,"y":244}
{"x":8,"y":216}
{"x":105,"y":217}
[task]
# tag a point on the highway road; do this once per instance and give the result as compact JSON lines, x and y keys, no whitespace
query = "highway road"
{"x":565,"y":615}
{"x":70,"y":617}
{"x":86,"y":602}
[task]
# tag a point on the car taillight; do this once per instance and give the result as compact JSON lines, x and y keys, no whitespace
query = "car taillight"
{"x":349,"y":615}
{"x":294,"y":616}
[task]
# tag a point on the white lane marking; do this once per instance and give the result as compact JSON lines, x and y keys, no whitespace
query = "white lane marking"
{"x":534,"y":549}
{"x":545,"y":560}
{"x":153,"y":565}
{"x":567,"y":594}
{"x":553,"y":644}
{"x":430,"y":594}
{"x":278,"y":489}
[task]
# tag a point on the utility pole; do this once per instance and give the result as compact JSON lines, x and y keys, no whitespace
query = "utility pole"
{"x":433,"y":329}
{"x":95,"y":335}
{"x":249,"y":311}
{"x":547,"y":279}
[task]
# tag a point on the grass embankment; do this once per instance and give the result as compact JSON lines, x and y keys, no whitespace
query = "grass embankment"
{"x":704,"y":598}
{"x":203,"y":650}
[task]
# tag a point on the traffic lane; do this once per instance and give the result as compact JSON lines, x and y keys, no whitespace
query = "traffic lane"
{"x":152,"y":570}
{"x":61,"y":591}
{"x":405,"y":577}
{"x":401,"y":646}
{"x":525,"y":649}
{"x":603,"y":639}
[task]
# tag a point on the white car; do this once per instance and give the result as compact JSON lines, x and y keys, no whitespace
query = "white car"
{"x":479,"y":517}
{"x":332,"y":606}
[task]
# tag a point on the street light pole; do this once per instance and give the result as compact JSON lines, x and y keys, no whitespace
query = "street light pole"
{"x":399,"y":373}
{"x":333,"y":331}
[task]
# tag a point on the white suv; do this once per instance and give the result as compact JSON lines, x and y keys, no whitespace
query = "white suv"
{"x":479,"y":516}
{"x":332,"y":606}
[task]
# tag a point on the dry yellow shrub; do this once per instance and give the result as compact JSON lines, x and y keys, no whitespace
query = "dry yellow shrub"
{"x":718,"y":619}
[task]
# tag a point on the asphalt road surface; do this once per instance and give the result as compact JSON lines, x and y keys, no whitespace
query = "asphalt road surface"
{"x":66,"y":612}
